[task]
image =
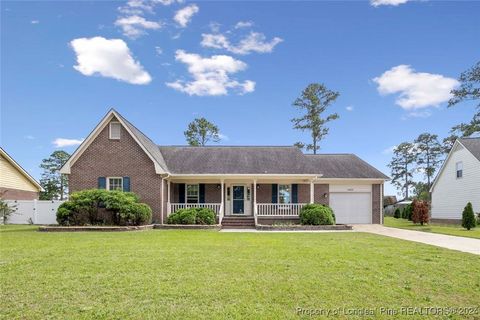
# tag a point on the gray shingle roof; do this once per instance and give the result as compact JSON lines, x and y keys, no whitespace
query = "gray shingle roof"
{"x":264,"y":160}
{"x":343,"y":166}
{"x":234,"y":160}
{"x":473,"y":145}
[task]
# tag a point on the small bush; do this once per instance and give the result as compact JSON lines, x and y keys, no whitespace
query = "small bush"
{"x":396,"y":214}
{"x":468,"y":217}
{"x":420,"y":212}
{"x":95,"y":206}
{"x":192,"y":216}
{"x":317,"y":214}
{"x":408,"y":212}
{"x":205,"y":216}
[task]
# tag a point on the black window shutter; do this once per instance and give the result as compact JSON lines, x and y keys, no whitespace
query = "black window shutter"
{"x":181,"y":192}
{"x":294,"y":193}
{"x":126,"y":184}
{"x":102,"y":183}
{"x":274,"y":193}
{"x":201,"y":193}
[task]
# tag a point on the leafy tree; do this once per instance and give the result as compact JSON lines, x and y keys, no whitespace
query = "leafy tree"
{"x":54,"y":183}
{"x":314,"y":99}
{"x":401,"y":165}
{"x":429,"y":155}
{"x":421,"y":191}
{"x":396,"y":213}
{"x":469,"y":86}
{"x":463,"y":130}
{"x":420,"y":212}
{"x":201,"y":131}
{"x":468,"y":90}
{"x":468,"y":217}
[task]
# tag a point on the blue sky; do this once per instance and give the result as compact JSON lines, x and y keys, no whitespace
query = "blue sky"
{"x":64,"y":64}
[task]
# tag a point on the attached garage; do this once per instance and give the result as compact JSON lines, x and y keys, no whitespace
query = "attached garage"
{"x":351,"y":204}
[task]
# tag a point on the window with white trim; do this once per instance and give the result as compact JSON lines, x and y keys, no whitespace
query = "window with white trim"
{"x":192,"y":193}
{"x":115,"y":128}
{"x":115,"y":183}
{"x":459,"y":169}
{"x":284,"y":193}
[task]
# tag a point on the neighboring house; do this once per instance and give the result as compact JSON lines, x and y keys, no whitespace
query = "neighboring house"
{"x":457,"y":182}
{"x":259,"y":184}
{"x":15,"y":182}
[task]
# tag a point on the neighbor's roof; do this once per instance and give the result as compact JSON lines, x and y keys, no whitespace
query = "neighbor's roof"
{"x":20,"y":169}
{"x":234,"y":160}
{"x":472,"y":145}
{"x":343,"y":166}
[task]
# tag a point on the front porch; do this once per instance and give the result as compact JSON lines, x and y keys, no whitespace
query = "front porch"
{"x":232,"y":199}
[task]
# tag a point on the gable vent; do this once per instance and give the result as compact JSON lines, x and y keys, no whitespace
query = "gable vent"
{"x":115,"y":130}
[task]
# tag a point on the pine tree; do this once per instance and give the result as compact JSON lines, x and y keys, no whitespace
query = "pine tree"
{"x":201,"y":131}
{"x":404,"y":156}
{"x":468,"y":217}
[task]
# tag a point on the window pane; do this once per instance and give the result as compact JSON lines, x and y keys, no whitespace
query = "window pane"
{"x":192,"y":193}
{"x":115,"y":184}
{"x":284,"y":193}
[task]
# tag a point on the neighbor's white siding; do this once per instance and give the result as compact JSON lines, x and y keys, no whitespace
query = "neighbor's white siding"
{"x":450,"y":195}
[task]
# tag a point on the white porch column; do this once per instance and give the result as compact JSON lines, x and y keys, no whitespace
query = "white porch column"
{"x":312,"y":197}
{"x":255,"y":200}
{"x":222,"y":206}
{"x":168,"y":198}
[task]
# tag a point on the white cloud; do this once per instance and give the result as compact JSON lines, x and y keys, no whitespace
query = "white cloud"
{"x":389,"y":150}
{"x":349,"y":108}
{"x":109,"y":58}
{"x":244,"y":24}
{"x":62,"y":142}
{"x":158,"y":50}
{"x":223,"y":137}
{"x":377,"y":3}
{"x":135,"y":26}
{"x":253,"y":42}
{"x":184,"y":15}
{"x":29,"y":137}
{"x":35,"y":22}
{"x":211,"y":76}
{"x":416,"y":89}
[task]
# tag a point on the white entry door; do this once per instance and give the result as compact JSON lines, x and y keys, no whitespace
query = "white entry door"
{"x":350,"y":208}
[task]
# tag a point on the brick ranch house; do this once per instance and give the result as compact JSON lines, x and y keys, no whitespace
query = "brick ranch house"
{"x":259,"y":184}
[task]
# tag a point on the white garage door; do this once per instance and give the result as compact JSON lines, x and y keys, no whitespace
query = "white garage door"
{"x":351,"y":207}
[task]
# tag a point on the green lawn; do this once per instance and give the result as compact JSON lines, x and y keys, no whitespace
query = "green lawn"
{"x":160,"y":274}
{"x":453,"y":230}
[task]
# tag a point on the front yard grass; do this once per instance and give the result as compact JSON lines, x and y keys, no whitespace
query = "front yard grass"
{"x":450,"y":229}
{"x":184,"y":274}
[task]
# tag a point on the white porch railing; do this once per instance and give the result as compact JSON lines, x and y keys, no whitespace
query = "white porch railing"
{"x":213,"y":206}
{"x":277,"y":209}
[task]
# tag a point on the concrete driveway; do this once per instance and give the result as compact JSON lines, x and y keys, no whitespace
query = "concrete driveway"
{"x":440,"y":240}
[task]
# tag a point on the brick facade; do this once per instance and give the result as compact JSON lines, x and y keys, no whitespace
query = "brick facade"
{"x":319,"y":192}
{"x":118,"y":158}
{"x":16,"y":194}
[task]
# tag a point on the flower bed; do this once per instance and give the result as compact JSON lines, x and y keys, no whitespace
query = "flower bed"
{"x":93,"y":228}
{"x":188,"y":226}
{"x":301,"y":227}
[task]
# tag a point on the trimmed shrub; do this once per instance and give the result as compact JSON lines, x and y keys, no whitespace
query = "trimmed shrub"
{"x":99,"y":207}
{"x":317,"y":214}
{"x":408,"y":212}
{"x":192,"y":216}
{"x":205,"y":216}
{"x":468,"y":217}
{"x":420,"y":212}
{"x":396,"y":214}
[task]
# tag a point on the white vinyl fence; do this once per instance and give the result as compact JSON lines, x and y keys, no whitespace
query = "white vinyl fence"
{"x":33,"y":211}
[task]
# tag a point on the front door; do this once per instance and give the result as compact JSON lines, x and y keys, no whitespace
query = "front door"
{"x":238,"y":200}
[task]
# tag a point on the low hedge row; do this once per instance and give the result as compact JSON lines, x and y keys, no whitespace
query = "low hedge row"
{"x":102,"y":207}
{"x":192,"y":216}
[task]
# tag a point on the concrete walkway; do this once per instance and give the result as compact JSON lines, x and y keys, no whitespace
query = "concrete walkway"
{"x":463,"y":244}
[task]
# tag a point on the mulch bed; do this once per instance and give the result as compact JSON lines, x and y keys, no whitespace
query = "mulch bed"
{"x":187,"y":226}
{"x":299,"y":227}
{"x":93,"y":228}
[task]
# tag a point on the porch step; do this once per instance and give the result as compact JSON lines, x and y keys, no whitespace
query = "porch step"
{"x":238,"y":222}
